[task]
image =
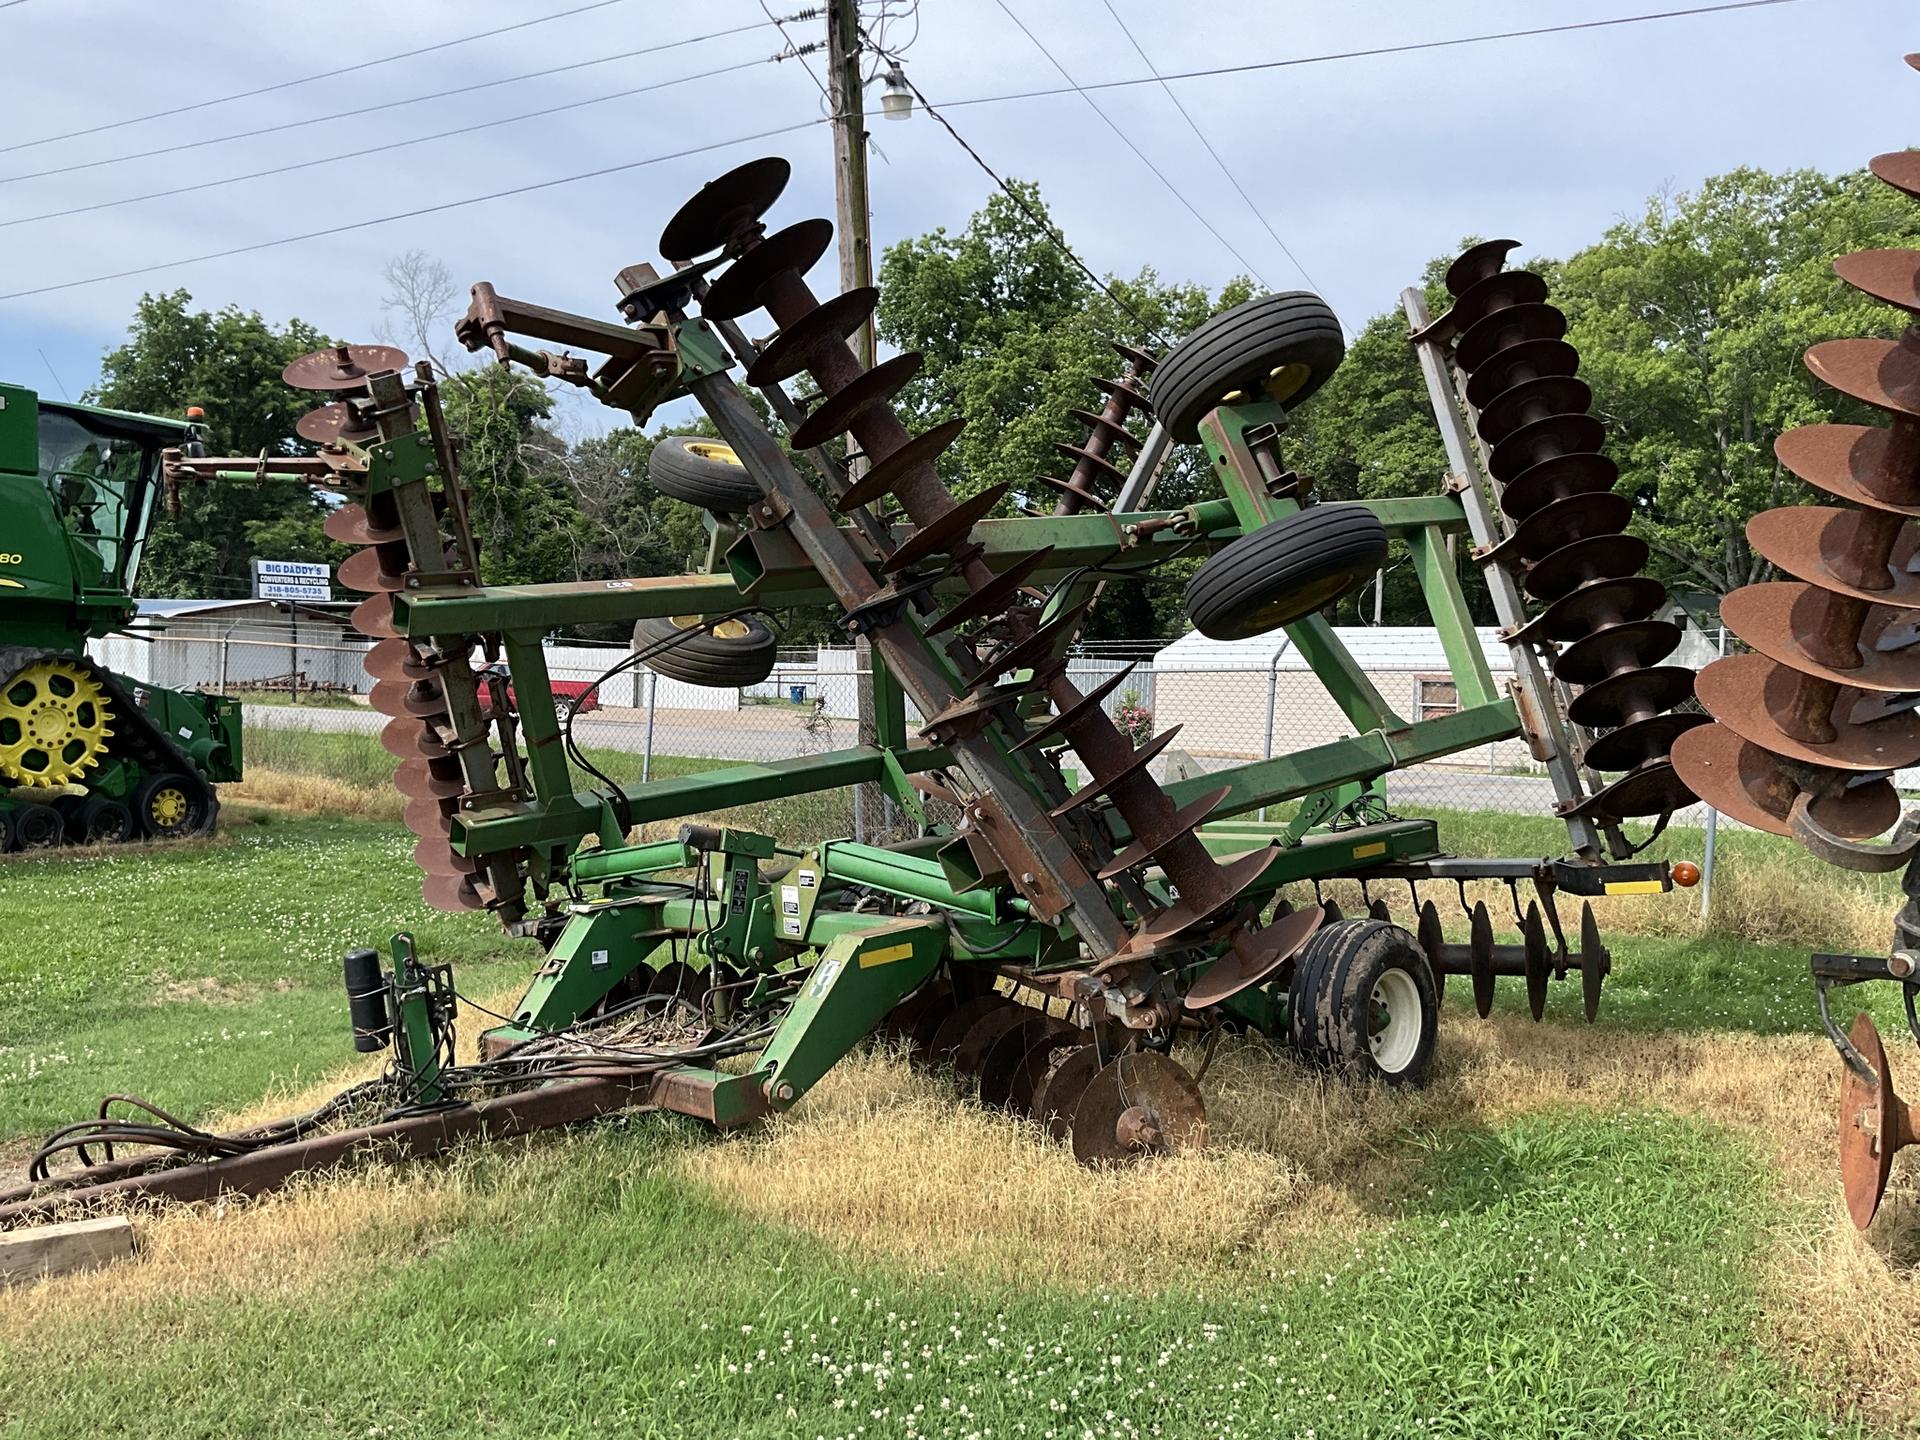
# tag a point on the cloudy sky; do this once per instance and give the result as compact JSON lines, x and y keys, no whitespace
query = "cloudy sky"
{"x":1365,"y":166}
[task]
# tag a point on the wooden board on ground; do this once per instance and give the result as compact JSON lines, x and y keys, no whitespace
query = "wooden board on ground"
{"x":26,"y":1255}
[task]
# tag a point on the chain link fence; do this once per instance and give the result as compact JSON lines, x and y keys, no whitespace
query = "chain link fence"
{"x":307,"y":711}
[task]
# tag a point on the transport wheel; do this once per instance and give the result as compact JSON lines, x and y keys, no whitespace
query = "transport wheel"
{"x":1364,"y":1002}
{"x":1278,"y":347}
{"x":169,"y":806}
{"x":38,"y":827}
{"x":1286,"y":570}
{"x":702,"y":472}
{"x":735,"y":653}
{"x":102,"y":821}
{"x":6,"y":831}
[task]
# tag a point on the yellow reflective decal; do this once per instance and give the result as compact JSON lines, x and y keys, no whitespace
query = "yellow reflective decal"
{"x":1367,"y":852}
{"x":870,"y":958}
{"x":1633,"y":887}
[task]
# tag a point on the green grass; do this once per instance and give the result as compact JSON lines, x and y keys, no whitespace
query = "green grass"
{"x":1536,"y":1285}
{"x":202,"y":974}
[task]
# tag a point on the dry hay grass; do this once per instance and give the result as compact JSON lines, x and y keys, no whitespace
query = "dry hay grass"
{"x":879,"y":1161}
{"x":299,"y":794}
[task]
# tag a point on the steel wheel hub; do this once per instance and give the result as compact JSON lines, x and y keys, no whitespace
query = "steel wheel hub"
{"x":53,"y":724}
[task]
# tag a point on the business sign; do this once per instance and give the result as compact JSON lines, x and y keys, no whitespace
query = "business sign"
{"x":292,"y":580}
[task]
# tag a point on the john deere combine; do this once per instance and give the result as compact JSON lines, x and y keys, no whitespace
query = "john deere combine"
{"x":86,"y":755}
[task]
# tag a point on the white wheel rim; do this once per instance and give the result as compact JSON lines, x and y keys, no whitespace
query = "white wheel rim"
{"x":1395,"y":1043}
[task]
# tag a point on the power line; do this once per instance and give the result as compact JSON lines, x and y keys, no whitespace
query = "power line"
{"x":391,"y":145}
{"x":781,"y":26}
{"x":1172,"y":189}
{"x":1200,"y":135}
{"x":1377,"y":50}
{"x":309,"y":79}
{"x":344,"y":227}
{"x":649,"y":50}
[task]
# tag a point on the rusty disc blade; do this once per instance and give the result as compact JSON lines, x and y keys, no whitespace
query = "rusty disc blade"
{"x":1432,"y":937}
{"x":1598,"y":557}
{"x":1495,"y":293}
{"x":1772,"y":616}
{"x":946,"y":536}
{"x":1529,"y":360}
{"x":868,"y":391}
{"x":1901,"y":170}
{"x":1883,"y":373}
{"x":1142,"y":757}
{"x":1636,"y":644}
{"x":1632,"y":695}
{"x":1866,"y":464}
{"x":1040,"y":651}
{"x":1655,"y":788}
{"x":1746,"y":693}
{"x":682,"y":981}
{"x":1533,"y":945}
{"x":426,"y":815}
{"x":970,"y":1054}
{"x":1141,"y":360}
{"x":1179,"y":925}
{"x":374,"y":616}
{"x":1595,"y":962}
{"x":1532,"y":401}
{"x":435,"y":856}
{"x":1736,"y":778}
{"x":1809,"y":542}
{"x":1076,"y":711}
{"x":1633,"y":745}
{"x":796,"y":249}
{"x":1578,"y":517}
{"x":1583,"y":473}
{"x":1060,"y":1089}
{"x":451,"y":893}
{"x":343,"y":367}
{"x":1141,"y":1104}
{"x":1480,"y":959}
{"x":1593,"y":606}
{"x":1889,"y":275}
{"x":1080,"y":455}
{"x":1121,"y":390}
{"x":419,"y":698}
{"x":1037,"y":1061}
{"x":1064,"y":487}
{"x":1513,"y":326}
{"x":1868,"y":1140}
{"x":887,"y":471}
{"x":1001,"y":1064}
{"x":1476,"y":263}
{"x":957,"y":1021}
{"x":1543,"y":440}
{"x":406,"y":741}
{"x":1115,"y":432}
{"x":1272,"y":946}
{"x":350,"y":526}
{"x":799,"y":346}
{"x":1170,"y":828}
{"x":725,"y":209}
{"x":334,"y":424}
{"x":421,"y":776}
{"x":366,"y":570}
{"x":993,"y":598}
{"x":394,"y":659}
{"x":899,"y":1023}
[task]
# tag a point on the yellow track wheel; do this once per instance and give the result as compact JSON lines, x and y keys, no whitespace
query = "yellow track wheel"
{"x":53,"y":724}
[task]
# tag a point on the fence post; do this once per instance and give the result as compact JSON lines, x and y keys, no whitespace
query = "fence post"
{"x":646,"y":756}
{"x":1713,"y":828}
{"x":1273,"y":684}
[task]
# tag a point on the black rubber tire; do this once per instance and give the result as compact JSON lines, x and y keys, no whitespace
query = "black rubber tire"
{"x":38,"y":827}
{"x":1286,"y":570}
{"x":1332,"y":1002}
{"x":6,"y":831}
{"x":103,"y":821}
{"x":723,"y":661}
{"x":677,"y":468}
{"x":195,"y":818}
{"x":1238,"y":349}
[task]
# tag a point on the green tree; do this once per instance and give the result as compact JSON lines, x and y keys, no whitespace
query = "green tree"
{"x":228,"y":362}
{"x":1691,"y":322}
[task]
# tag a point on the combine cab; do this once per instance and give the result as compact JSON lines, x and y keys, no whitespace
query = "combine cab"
{"x":87,"y":755}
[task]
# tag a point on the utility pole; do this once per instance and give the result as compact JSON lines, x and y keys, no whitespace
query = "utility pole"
{"x":850,"y":159}
{"x":851,"y":220}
